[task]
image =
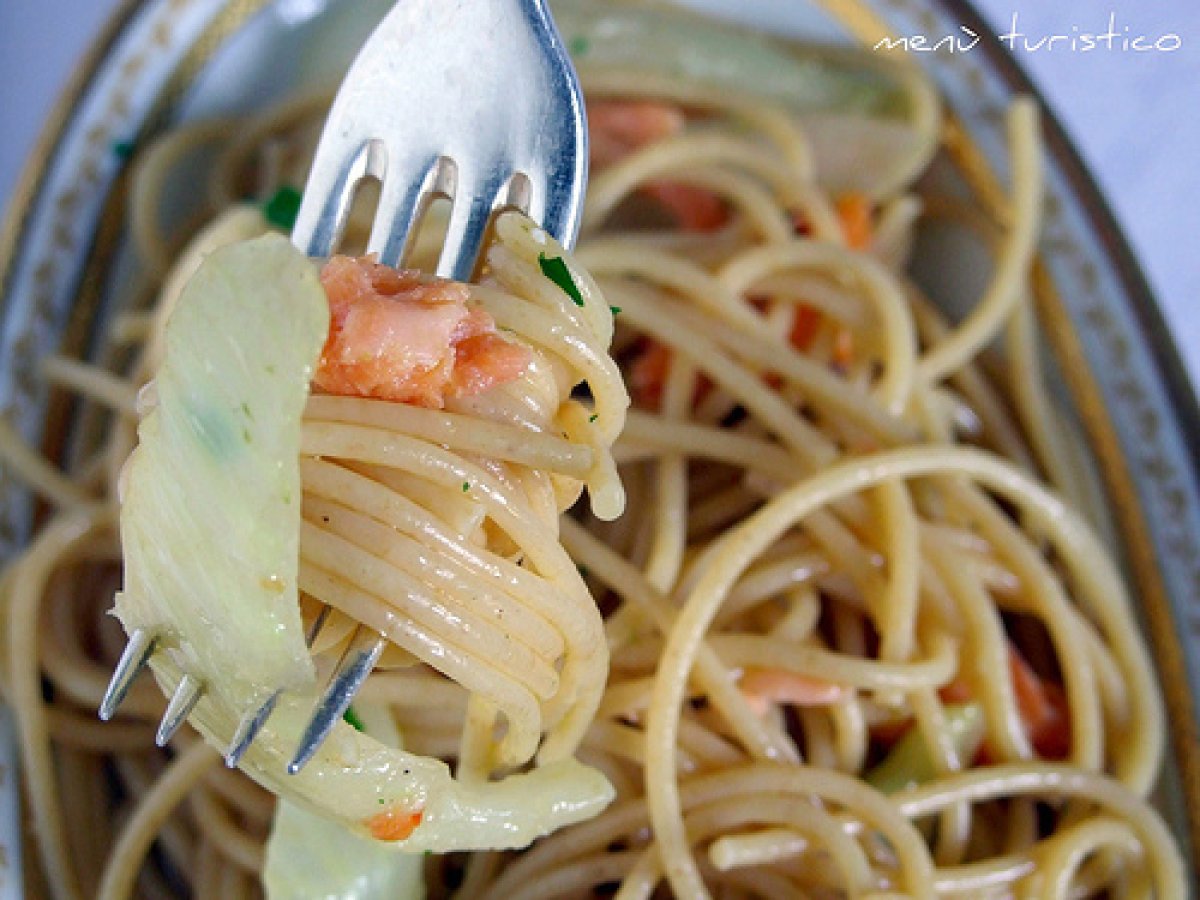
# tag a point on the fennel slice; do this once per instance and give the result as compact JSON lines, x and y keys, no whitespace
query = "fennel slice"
{"x":211,"y":508}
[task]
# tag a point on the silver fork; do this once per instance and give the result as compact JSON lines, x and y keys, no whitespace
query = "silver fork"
{"x":473,"y":100}
{"x":470,"y":99}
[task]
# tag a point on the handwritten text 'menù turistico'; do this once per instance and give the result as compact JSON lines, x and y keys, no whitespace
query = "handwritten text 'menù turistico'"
{"x":1116,"y":38}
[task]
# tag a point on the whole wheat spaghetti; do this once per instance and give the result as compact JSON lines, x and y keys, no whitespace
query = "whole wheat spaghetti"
{"x":854,"y":633}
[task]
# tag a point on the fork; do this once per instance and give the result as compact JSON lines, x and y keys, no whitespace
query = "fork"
{"x":472,"y":100}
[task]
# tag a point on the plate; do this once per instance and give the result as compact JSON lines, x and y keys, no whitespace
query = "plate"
{"x":1115,"y":369}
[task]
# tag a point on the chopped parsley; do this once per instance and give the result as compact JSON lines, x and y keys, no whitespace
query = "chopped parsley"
{"x":593,"y":417}
{"x":615,"y":310}
{"x":578,"y":45}
{"x":351,"y":718}
{"x":282,"y":208}
{"x":122,"y":149}
{"x":466,"y":486}
{"x":555,"y":268}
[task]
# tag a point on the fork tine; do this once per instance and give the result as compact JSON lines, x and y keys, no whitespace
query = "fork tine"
{"x":402,"y":203}
{"x":329,"y":193}
{"x":183,"y":701}
{"x":253,"y":722}
{"x":517,"y":194}
{"x":248,"y":729}
{"x":464,"y":234}
{"x":133,"y":659}
{"x":352,"y":670}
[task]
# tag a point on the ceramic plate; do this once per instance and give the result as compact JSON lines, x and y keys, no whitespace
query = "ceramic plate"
{"x":1116,"y":370}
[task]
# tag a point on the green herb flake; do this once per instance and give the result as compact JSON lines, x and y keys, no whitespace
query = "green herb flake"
{"x":382,"y":802}
{"x":578,"y":45}
{"x":246,"y":411}
{"x":246,"y":436}
{"x":351,"y":718}
{"x":282,"y":208}
{"x":466,"y":486}
{"x":583,"y":571}
{"x":555,"y":268}
{"x":593,"y":417}
{"x":615,"y":310}
{"x":122,"y":150}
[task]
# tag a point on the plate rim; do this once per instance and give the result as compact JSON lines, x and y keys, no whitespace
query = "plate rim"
{"x":1166,"y":361}
{"x":31,"y":177}
{"x":1145,"y":306}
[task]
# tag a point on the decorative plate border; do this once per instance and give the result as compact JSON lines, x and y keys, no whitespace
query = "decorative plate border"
{"x":63,"y":191}
{"x":124,"y":83}
{"x":1129,"y":370}
{"x":1117,"y":356}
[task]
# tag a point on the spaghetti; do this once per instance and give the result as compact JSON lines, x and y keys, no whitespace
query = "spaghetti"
{"x":856,"y":646}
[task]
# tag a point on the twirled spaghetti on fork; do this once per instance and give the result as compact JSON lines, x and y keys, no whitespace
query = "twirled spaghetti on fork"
{"x":862,"y":636}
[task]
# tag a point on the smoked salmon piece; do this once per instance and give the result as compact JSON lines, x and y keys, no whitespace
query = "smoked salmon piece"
{"x":617,"y":128}
{"x":397,"y":335}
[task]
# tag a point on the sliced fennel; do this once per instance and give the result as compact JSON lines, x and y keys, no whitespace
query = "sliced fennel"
{"x":672,"y":42}
{"x":909,"y":763}
{"x":210,"y":525}
{"x":309,"y":857}
{"x":211,"y":505}
{"x":872,"y":124}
